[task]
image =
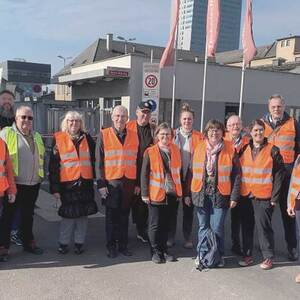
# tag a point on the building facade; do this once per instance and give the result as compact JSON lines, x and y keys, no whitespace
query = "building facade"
{"x":192,"y":25}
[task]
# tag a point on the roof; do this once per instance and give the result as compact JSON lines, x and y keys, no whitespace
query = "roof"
{"x":97,"y":51}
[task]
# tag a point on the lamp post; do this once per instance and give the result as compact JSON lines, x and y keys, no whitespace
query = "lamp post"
{"x":64,"y":59}
{"x":121,"y":38}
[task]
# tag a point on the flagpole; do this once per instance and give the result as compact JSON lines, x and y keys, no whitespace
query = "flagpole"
{"x":204,"y":88}
{"x":242,"y":89}
{"x":174,"y":81}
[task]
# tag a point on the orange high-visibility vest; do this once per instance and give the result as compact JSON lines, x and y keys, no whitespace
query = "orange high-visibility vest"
{"x":284,"y":139}
{"x":257,"y":175}
{"x":119,"y":160}
{"x":132,"y":125}
{"x":3,"y":178}
{"x":224,"y":168}
{"x":72,"y":165}
{"x":157,"y":191}
{"x":244,"y":141}
{"x":197,"y":136}
{"x":294,"y":189}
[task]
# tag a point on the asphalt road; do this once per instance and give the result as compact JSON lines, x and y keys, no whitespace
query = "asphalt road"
{"x":94,"y":276}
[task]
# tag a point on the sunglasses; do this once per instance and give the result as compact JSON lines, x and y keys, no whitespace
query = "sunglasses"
{"x":29,"y":118}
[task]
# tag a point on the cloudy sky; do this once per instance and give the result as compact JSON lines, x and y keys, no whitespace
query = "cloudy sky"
{"x":38,"y":30}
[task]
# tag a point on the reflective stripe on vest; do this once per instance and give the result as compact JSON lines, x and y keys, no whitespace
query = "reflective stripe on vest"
{"x":284,"y":139}
{"x":3,"y":176}
{"x":11,"y":138}
{"x":119,"y":160}
{"x":157,"y":191}
{"x":294,"y":189}
{"x":257,"y":175}
{"x":224,"y":168}
{"x":73,"y":165}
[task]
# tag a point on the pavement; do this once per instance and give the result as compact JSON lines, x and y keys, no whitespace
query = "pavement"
{"x":94,"y":276}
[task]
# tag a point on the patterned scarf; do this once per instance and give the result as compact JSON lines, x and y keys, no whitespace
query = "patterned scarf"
{"x":211,"y":155}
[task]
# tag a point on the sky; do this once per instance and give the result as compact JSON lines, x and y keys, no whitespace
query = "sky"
{"x":39,"y":31}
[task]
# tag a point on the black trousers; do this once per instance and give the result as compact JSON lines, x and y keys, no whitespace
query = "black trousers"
{"x":235,"y":215}
{"x":247,"y":224}
{"x":116,"y":227}
{"x":139,"y":212}
{"x":289,"y":223}
{"x":25,"y":200}
{"x":159,"y":220}
{"x":263,"y":211}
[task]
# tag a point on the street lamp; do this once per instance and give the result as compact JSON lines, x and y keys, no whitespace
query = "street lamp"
{"x":121,"y":38}
{"x":64,"y":59}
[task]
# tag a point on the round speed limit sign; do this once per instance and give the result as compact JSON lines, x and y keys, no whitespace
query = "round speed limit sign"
{"x":151,"y":81}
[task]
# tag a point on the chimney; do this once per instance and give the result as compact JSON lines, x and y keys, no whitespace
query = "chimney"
{"x":109,"y":39}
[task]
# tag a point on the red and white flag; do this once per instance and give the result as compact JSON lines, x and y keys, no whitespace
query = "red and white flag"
{"x":249,"y":47}
{"x":212,"y":26}
{"x":167,"y":58}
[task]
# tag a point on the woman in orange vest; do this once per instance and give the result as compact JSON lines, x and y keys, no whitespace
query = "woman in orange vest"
{"x":215,"y":184}
{"x":186,"y":138}
{"x":8,"y":192}
{"x":161,"y":189}
{"x":71,"y":173}
{"x":262,"y":175}
{"x":294,"y":199}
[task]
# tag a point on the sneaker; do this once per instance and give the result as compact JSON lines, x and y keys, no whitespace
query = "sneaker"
{"x":15,"y":239}
{"x":292,"y":254}
{"x":221,"y":264}
{"x":78,"y":248}
{"x":297,"y":279}
{"x":157,"y":258}
{"x":267,"y":264}
{"x":247,"y":261}
{"x":143,"y":237}
{"x":33,"y":249}
{"x":170,"y":242}
{"x":188,"y":245}
{"x":169,"y":257}
{"x":63,"y":249}
{"x":112,"y":252}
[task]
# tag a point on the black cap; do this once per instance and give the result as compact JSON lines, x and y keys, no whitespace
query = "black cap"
{"x":148,"y":104}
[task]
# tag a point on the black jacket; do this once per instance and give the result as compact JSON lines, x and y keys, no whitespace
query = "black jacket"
{"x":77,"y":196}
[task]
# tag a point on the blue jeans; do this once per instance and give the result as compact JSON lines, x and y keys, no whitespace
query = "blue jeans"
{"x":214,"y":218}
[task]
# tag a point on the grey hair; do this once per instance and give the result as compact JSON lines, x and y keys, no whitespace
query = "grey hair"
{"x":74,"y":115}
{"x":23,"y":107}
{"x":121,"y":108}
{"x":277,"y":96}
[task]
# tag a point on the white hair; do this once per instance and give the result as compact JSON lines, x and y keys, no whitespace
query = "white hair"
{"x":23,"y":107}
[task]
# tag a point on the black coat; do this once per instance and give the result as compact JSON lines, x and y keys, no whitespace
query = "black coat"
{"x":77,"y":196}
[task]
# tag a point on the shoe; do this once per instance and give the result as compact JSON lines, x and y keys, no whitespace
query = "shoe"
{"x":33,"y":249}
{"x":63,"y":249}
{"x":112,"y":252}
{"x":157,"y":258}
{"x":125,"y":252}
{"x":236,"y":249}
{"x":169,"y":257}
{"x":188,"y":245}
{"x":267,"y":264}
{"x":15,"y":239}
{"x":247,"y":261}
{"x":221,"y":264}
{"x":297,"y":279}
{"x":170,"y":242}
{"x":292,"y":254}
{"x":4,"y":254}
{"x":143,"y":237}
{"x":78,"y":248}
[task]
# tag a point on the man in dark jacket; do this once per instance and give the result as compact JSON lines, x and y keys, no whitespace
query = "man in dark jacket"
{"x":284,"y":132}
{"x":7,"y":115}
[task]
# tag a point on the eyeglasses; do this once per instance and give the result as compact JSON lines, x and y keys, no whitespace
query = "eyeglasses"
{"x":29,"y":118}
{"x":74,"y":121}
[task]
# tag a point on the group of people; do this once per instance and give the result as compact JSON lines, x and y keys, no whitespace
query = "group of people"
{"x":149,"y":171}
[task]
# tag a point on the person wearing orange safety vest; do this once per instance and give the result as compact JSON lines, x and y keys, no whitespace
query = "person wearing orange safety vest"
{"x":263,"y":173}
{"x":116,"y":172}
{"x":161,"y":189}
{"x":71,"y":174}
{"x":8,"y":192}
{"x":283,"y":131}
{"x":294,"y":199}
{"x":215,"y":185}
{"x":238,"y":139}
{"x":186,"y":138}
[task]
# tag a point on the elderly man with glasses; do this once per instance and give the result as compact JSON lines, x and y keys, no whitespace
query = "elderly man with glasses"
{"x":26,"y":150}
